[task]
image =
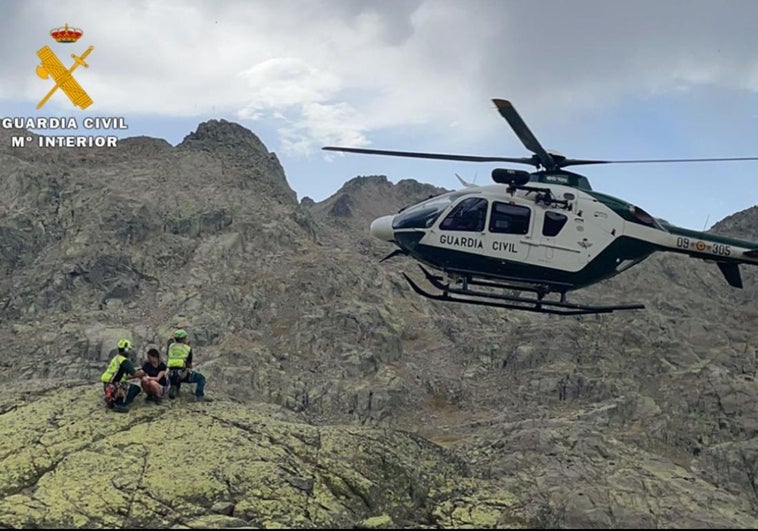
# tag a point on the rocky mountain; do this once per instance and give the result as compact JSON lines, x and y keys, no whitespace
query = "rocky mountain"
{"x":342,"y":398}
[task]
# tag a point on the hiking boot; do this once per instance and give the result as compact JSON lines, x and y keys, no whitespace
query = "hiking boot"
{"x":203,"y":399}
{"x":172,"y":393}
{"x":157,"y":400}
{"x":120,"y":409}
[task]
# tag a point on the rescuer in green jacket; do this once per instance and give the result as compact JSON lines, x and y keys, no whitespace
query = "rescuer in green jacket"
{"x":180,"y":367}
{"x":119,"y":393}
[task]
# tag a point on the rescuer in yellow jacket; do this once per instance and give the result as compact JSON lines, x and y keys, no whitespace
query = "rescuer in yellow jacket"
{"x":119,"y":393}
{"x":180,"y":367}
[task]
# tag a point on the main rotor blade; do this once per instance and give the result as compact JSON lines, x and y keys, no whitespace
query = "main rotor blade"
{"x":518,"y":125}
{"x":439,"y":156}
{"x":577,"y":162}
{"x":574,"y":162}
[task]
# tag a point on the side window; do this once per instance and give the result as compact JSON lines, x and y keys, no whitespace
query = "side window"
{"x":509,"y":219}
{"x":554,"y":222}
{"x":468,"y":215}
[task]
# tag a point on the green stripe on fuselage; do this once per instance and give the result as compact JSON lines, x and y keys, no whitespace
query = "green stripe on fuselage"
{"x":601,"y":267}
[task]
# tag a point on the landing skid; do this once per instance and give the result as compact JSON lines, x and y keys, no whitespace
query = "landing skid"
{"x":514,"y":302}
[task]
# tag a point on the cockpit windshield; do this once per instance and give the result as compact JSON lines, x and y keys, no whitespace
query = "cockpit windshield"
{"x":423,"y":215}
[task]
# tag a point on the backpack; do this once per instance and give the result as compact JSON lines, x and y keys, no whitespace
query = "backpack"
{"x":114,"y":391}
{"x":111,"y":394}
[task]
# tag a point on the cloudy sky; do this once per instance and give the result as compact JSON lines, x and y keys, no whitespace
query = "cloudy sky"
{"x":592,"y":78}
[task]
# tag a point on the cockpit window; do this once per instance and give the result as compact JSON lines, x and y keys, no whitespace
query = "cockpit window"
{"x":423,"y":215}
{"x":468,"y":215}
{"x":509,"y":219}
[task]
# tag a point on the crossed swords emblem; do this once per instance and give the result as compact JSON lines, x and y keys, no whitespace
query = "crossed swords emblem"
{"x":52,"y":67}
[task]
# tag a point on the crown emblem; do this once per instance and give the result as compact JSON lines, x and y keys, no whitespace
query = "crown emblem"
{"x":66,"y":34}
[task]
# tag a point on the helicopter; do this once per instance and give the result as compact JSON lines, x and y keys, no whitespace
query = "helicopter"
{"x":532,"y":234}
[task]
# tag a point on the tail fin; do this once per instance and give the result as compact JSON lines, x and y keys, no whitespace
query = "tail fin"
{"x":731,"y":272}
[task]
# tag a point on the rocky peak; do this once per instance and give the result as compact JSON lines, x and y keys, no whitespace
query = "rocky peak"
{"x":365,"y":198}
{"x":412,"y":188}
{"x":363,"y":182}
{"x":378,"y":190}
{"x":224,"y":134}
{"x":241,"y":152}
{"x":739,"y":225}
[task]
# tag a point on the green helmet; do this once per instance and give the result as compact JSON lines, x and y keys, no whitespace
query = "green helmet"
{"x":124,"y":344}
{"x":180,"y":334}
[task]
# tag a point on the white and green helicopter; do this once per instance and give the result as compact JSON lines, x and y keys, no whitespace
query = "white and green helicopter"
{"x":542,"y":232}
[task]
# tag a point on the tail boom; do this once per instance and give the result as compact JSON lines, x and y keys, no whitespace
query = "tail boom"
{"x":728,"y":253}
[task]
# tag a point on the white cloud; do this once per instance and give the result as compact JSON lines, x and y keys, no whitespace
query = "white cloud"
{"x":320,"y":124}
{"x":285,"y":81}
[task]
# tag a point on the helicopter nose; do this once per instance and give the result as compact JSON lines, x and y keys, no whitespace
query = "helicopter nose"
{"x":382,"y":228}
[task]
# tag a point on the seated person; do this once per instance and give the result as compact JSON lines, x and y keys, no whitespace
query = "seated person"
{"x":155,"y":381}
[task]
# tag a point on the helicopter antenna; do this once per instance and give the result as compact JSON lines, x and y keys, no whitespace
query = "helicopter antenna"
{"x":706,"y":222}
{"x":465,"y":184}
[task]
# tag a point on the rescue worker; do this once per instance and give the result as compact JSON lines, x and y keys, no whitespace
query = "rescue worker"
{"x":180,"y":367}
{"x":171,"y":340}
{"x":181,"y":325}
{"x":119,"y":393}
